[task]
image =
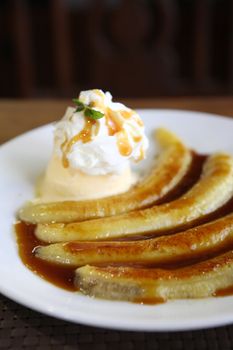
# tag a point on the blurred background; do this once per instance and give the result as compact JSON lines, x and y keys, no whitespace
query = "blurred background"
{"x":133,"y":48}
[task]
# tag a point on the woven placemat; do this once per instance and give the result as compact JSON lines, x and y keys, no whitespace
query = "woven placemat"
{"x":21,"y":328}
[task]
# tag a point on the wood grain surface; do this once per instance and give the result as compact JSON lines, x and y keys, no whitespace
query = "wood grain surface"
{"x":18,"y":116}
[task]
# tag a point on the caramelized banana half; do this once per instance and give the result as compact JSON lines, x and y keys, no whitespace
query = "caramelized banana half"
{"x":214,"y":189}
{"x":172,"y":164}
{"x":134,"y":284}
{"x":186,"y":245}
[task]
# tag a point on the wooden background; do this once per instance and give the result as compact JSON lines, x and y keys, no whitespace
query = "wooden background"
{"x":134,"y":48}
{"x":18,"y":116}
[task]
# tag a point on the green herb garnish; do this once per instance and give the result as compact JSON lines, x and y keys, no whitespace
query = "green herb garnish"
{"x":88,"y":111}
{"x":79,"y":104}
{"x":92,"y":113}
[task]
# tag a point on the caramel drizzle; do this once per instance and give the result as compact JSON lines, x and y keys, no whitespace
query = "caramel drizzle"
{"x":84,"y":135}
{"x":113,"y":123}
{"x":132,"y":114}
{"x":123,"y":144}
{"x":115,"y":127}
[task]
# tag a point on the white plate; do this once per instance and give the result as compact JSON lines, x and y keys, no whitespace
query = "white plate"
{"x":23,"y":158}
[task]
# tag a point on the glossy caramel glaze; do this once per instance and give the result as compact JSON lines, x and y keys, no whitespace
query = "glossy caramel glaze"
{"x":63,"y":276}
{"x":113,"y":124}
{"x":123,"y":143}
{"x":84,"y":136}
{"x":149,"y":301}
{"x":224,"y":292}
{"x":27,"y":241}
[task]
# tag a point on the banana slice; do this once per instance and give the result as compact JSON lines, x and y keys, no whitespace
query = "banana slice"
{"x":134,"y":284}
{"x":172,"y":164}
{"x":203,"y":239}
{"x":214,"y":189}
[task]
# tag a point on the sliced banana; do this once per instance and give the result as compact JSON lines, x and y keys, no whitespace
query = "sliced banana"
{"x":172,"y":164}
{"x":134,"y":284}
{"x":213,"y":190}
{"x":189,"y":244}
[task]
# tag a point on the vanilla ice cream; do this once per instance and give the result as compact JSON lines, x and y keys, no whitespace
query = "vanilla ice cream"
{"x":91,"y":157}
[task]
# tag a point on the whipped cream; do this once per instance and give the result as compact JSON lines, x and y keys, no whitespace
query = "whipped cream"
{"x":103,"y":146}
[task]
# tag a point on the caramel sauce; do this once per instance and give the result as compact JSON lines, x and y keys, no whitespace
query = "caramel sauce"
{"x":223,"y":292}
{"x":123,"y":144}
{"x":27,"y":241}
{"x":131,"y":114}
{"x":126,"y":114}
{"x":137,"y":138}
{"x":63,"y":276}
{"x":113,"y":123}
{"x":149,"y":301}
{"x":84,"y":135}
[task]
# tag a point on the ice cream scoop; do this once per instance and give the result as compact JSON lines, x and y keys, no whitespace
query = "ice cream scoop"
{"x":93,"y":146}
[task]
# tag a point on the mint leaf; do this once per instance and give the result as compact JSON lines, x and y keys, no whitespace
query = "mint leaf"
{"x":88,"y":111}
{"x":92,"y":113}
{"x":79,"y":109}
{"x":80,"y":105}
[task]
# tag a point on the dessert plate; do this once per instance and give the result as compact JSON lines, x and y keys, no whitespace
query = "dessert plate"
{"x":25,"y":157}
